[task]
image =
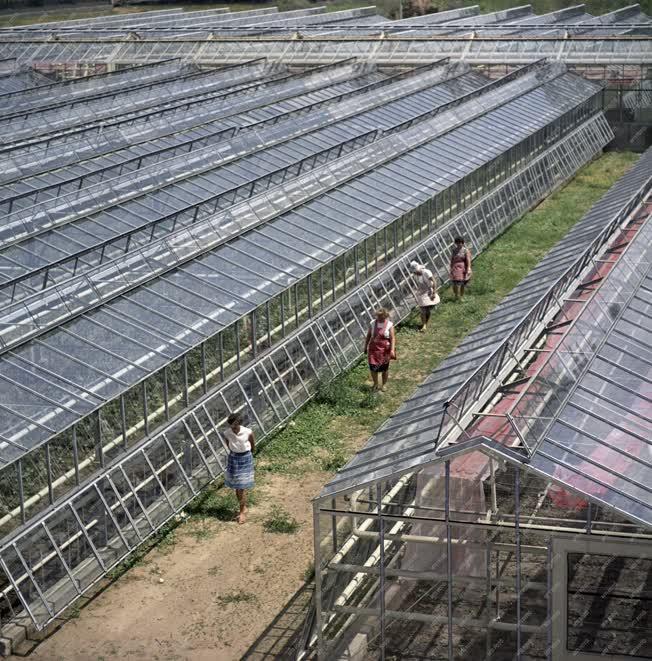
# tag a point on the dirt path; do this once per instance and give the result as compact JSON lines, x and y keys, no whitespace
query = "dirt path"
{"x":206,"y":597}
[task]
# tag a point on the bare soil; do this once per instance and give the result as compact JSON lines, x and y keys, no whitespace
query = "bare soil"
{"x":207,"y":597}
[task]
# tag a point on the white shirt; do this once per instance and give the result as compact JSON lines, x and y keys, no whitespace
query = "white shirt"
{"x":388,"y":327}
{"x":424,"y":284}
{"x":238,"y":442}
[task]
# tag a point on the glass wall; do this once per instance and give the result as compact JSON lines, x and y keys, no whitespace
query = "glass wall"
{"x":454,"y":560}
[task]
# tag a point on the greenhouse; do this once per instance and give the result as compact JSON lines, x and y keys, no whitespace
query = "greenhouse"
{"x":200,"y":212}
{"x":505,"y":509}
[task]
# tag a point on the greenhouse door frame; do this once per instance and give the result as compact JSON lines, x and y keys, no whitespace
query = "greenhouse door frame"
{"x":561,"y":547}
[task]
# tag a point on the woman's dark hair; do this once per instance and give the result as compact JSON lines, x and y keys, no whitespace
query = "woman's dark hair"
{"x":233,"y":418}
{"x":459,"y":239}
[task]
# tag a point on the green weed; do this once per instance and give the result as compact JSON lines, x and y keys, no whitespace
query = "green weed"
{"x":218,"y":503}
{"x":236,"y":598}
{"x":201,"y":530}
{"x":344,"y":395}
{"x":167,"y":542}
{"x":280,"y":521}
{"x":300,"y":439}
{"x":333,"y":462}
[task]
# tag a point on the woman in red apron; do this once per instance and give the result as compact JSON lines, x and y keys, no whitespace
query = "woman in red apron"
{"x":460,"y":267}
{"x":380,"y":347}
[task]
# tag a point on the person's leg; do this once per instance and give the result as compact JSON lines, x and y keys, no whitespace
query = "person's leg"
{"x":456,"y":291}
{"x":462,"y":290}
{"x":425,"y":315}
{"x":385,"y":377}
{"x":374,"y":378}
{"x":241,"y":494}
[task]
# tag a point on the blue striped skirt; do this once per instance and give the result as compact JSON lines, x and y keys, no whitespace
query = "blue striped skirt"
{"x":240,"y":471}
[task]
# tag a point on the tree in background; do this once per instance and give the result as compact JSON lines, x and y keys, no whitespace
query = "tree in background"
{"x":418,"y":8}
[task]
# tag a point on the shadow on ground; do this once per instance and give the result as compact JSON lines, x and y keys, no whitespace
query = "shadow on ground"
{"x":284,"y":637}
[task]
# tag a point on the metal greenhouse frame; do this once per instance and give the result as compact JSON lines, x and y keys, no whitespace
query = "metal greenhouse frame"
{"x":59,"y":556}
{"x":388,"y":51}
{"x":204,"y":225}
{"x":164,"y":374}
{"x":519,"y":527}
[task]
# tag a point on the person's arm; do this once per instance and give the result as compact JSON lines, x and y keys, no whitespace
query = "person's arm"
{"x":433,"y":286}
{"x":392,"y":342}
{"x":469,"y":271}
{"x":252,"y":441}
{"x":367,"y":340}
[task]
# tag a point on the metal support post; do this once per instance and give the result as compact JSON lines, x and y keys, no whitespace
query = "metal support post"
{"x":321,"y":652}
{"x":589,"y":518}
{"x":494,"y":498}
{"x":549,"y":600}
{"x":449,"y":559}
{"x":334,"y":527}
{"x":381,"y":570}
{"x":488,"y":602}
{"x":517,"y":533}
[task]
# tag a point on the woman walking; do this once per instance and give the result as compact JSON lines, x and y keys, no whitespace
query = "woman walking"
{"x":380,"y":347}
{"x":426,"y":293}
{"x":460,"y":267}
{"x":240,"y":464}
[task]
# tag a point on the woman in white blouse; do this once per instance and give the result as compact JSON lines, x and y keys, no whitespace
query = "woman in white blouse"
{"x":240,"y":464}
{"x":426,"y":292}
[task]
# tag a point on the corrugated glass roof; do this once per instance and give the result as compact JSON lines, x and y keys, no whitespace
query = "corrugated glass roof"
{"x":217,"y":174}
{"x":600,"y":442}
{"x":188,"y":82}
{"x":18,"y":81}
{"x":62,"y":92}
{"x":271,"y":96}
